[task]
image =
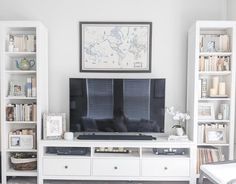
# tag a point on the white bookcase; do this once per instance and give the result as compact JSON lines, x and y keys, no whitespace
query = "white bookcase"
{"x":211,"y":85}
{"x":34,"y":49}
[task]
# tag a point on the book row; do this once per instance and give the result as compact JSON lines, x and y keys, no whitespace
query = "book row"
{"x":21,"y":112}
{"x":214,"y":63}
{"x":22,"y":43}
{"x":208,"y":155}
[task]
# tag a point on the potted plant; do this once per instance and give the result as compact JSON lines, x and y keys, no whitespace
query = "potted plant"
{"x":181,"y":119}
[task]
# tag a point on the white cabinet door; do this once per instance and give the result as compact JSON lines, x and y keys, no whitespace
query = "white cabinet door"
{"x":66,"y":167}
{"x":165,"y":167}
{"x":115,"y":167}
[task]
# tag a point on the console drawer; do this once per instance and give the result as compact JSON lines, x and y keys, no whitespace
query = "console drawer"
{"x":165,"y":167}
{"x":115,"y":167}
{"x":66,"y":167}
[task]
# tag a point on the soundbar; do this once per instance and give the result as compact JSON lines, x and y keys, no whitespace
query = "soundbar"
{"x":115,"y":137}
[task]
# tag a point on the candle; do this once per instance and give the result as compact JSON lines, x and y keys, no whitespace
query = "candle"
{"x":222,"y":88}
{"x":216,"y":84}
{"x":213,"y":92}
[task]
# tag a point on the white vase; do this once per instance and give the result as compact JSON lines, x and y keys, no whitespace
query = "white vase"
{"x":179,"y":131}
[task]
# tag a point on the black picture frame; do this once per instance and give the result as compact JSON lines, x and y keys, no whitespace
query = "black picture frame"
{"x":82,"y":24}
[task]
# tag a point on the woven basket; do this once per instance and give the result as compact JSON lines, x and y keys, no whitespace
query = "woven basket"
{"x":24,"y":163}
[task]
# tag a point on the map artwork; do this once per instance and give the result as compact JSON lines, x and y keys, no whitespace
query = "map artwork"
{"x":115,"y":47}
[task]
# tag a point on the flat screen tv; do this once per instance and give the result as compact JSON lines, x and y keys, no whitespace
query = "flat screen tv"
{"x":117,"y":105}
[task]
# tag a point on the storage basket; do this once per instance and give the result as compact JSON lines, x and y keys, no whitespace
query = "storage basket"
{"x":24,"y":163}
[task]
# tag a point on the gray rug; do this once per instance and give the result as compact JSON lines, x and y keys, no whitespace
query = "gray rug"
{"x":33,"y":181}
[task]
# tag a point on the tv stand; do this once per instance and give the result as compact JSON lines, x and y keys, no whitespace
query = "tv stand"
{"x":115,"y":137}
{"x":139,"y":164}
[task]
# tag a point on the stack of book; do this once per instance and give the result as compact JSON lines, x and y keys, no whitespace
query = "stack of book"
{"x":214,"y":63}
{"x":21,"y":112}
{"x":23,"y":43}
{"x":208,"y":155}
{"x":31,"y":87}
{"x":202,"y":88}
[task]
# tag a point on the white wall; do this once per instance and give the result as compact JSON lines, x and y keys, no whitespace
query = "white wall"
{"x":231,"y":9}
{"x":171,"y":21}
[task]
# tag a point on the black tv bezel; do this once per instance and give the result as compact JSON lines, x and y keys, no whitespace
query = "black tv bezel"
{"x":101,"y":132}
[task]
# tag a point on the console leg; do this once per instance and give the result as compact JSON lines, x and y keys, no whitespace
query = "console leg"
{"x":201,"y":178}
{"x":193,"y":181}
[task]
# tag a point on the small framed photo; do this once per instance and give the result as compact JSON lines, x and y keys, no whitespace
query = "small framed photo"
{"x":10,"y":112}
{"x":16,"y":88}
{"x":21,"y":141}
{"x":54,"y":125}
{"x":215,"y":135}
{"x":206,"y":111}
{"x":211,"y":43}
{"x":115,"y":46}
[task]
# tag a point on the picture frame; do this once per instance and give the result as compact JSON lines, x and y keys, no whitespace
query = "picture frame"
{"x":21,"y":141}
{"x":206,"y":111}
{"x":54,"y":125}
{"x":10,"y":112}
{"x":215,"y":135}
{"x":211,"y":43}
{"x":16,"y":88}
{"x":104,"y":48}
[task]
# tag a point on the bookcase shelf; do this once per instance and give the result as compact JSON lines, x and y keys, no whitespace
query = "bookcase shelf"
{"x":24,"y":94}
{"x":20,"y":72}
{"x":21,"y":150}
{"x":215,"y":73}
{"x":215,"y":53}
{"x":211,"y":72}
{"x":21,"y":122}
{"x":214,"y":121}
{"x":204,"y":144}
{"x":20,"y":98}
{"x":214,"y":99}
{"x":12,"y":172}
{"x":17,"y":54}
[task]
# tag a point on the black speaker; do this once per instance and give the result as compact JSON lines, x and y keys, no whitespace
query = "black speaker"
{"x":68,"y":150}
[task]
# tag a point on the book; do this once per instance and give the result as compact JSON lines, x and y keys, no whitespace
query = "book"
{"x":204,"y":88}
{"x":29,"y":87}
{"x":33,"y":80}
{"x":34,"y":112}
{"x":31,"y":43}
{"x":224,"y":43}
{"x":202,"y":63}
{"x":199,"y":88}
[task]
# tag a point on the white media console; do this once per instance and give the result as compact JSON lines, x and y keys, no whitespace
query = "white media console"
{"x":141,"y":164}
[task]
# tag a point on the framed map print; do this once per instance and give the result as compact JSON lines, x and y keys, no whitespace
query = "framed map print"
{"x":115,"y":46}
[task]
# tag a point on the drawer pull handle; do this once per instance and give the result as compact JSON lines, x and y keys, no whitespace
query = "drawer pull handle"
{"x":115,"y":167}
{"x":66,"y":167}
{"x":165,"y":168}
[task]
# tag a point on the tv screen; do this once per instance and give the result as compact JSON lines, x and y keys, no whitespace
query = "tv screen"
{"x":117,"y":105}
